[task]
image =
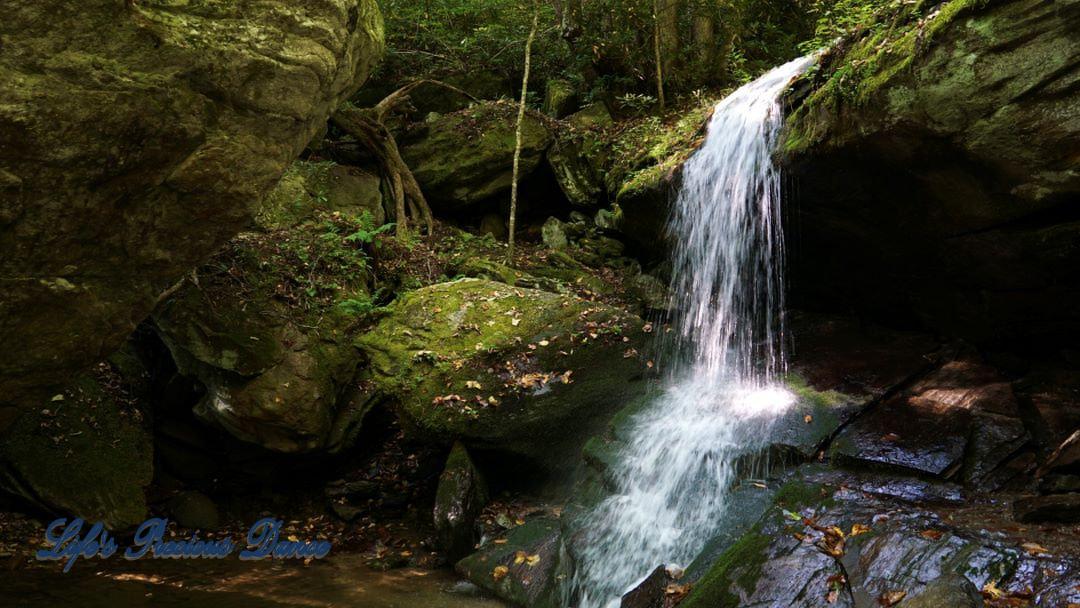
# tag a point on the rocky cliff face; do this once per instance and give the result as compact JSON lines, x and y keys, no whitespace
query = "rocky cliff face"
{"x":937,"y":169}
{"x":134,"y":140}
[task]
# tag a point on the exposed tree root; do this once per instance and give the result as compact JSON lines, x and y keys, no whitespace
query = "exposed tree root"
{"x":368,"y":126}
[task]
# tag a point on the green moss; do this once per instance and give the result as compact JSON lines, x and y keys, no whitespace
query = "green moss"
{"x":490,"y":362}
{"x":739,"y":566}
{"x":87,"y":451}
{"x":874,"y":53}
{"x":807,"y":394}
{"x":644,"y":153}
{"x":798,"y":494}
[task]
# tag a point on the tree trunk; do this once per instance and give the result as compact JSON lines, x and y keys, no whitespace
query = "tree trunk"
{"x":656,"y":51}
{"x":518,"y":135}
{"x":570,"y":19}
{"x":668,"y":14}
{"x":704,"y":33}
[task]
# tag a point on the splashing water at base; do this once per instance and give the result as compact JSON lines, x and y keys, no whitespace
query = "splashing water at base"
{"x":722,"y":392}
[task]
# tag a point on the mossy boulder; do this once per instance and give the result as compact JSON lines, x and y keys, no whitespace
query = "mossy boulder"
{"x":465,"y":159}
{"x":137,"y":139}
{"x":267,"y":327}
{"x":86,"y":451}
{"x":940,"y":144}
{"x":500,"y":367}
{"x":528,"y":567}
{"x":310,"y":186}
{"x":576,"y":160}
{"x":560,"y":98}
{"x":459,"y":499}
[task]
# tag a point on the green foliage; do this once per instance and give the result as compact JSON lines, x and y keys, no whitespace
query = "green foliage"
{"x":366,"y":233}
{"x":361,"y":305}
{"x":437,"y":37}
{"x":838,"y":19}
{"x":636,"y":103}
{"x":608,"y":52}
{"x":881,"y":39}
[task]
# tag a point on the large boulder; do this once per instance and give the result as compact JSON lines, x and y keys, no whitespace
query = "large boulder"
{"x":518,"y":370}
{"x":937,"y":171}
{"x":465,"y":159}
{"x":267,"y":325}
{"x":85,"y":451}
{"x":136,"y":138}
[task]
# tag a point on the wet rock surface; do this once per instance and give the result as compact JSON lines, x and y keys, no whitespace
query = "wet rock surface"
{"x":840,"y":367}
{"x":528,"y":566}
{"x":960,"y":421}
{"x":827,"y":543}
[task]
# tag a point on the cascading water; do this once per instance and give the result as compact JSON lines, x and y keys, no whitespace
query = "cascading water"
{"x":721,"y":392}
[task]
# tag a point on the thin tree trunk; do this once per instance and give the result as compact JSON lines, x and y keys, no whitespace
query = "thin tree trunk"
{"x":704,"y":31}
{"x":518,"y":134}
{"x":656,"y":50}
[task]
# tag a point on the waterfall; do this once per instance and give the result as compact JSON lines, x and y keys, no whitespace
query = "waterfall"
{"x":721,"y":390}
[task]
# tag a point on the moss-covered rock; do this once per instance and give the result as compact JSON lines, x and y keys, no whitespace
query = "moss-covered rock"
{"x":86,"y":451}
{"x":466,"y":158}
{"x":560,"y":98}
{"x":459,"y":499}
{"x":505,"y":368}
{"x":577,"y":170}
{"x":940,"y":143}
{"x":308,"y":187}
{"x":267,"y":327}
{"x":529,"y":567}
{"x":138,"y":137}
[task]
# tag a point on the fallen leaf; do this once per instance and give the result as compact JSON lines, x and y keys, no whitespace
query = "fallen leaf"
{"x":532,"y":560}
{"x":858,"y":529}
{"x":519,"y":557}
{"x":992,"y":592}
{"x":890,"y":437}
{"x":932,"y":534}
{"x":676,"y":592}
{"x":499,"y":572}
{"x":808,"y":418}
{"x":473,"y":384}
{"x":891,"y":598}
{"x":1035,"y":549}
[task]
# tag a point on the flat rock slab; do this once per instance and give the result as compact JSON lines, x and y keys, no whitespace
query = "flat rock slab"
{"x":907,"y":434}
{"x":961,"y":420}
{"x":839,"y":366}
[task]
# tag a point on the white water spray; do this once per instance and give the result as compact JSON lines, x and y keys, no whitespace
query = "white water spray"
{"x":722,"y":391}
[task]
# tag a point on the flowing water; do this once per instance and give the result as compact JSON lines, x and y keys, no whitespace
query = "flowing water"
{"x":722,"y":389}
